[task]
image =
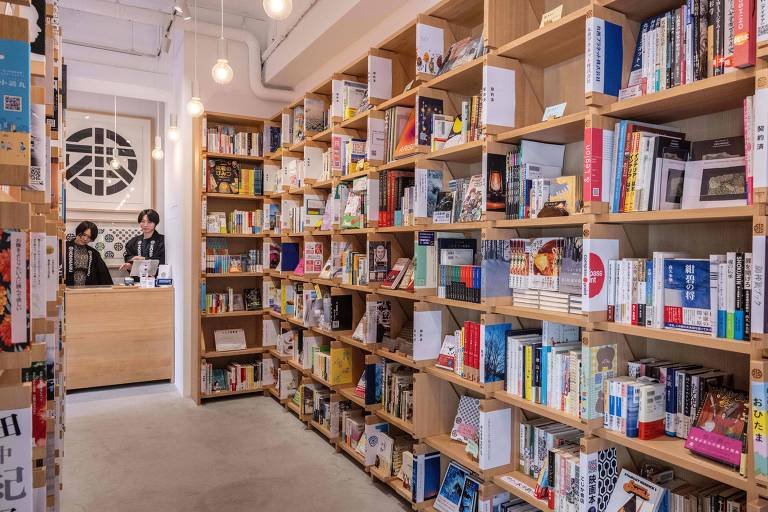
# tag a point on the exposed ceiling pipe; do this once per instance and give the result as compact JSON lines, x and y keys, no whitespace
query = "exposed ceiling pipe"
{"x":275,"y":44}
{"x":254,"y":60}
{"x":115,"y":10}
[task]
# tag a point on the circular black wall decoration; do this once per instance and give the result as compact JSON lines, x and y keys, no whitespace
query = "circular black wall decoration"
{"x":89,"y":152}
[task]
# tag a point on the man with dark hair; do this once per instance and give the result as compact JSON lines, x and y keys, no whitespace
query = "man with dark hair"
{"x":149,"y":245}
{"x":84,"y":266}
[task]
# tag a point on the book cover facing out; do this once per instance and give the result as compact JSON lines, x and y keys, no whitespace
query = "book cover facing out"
{"x":686,"y":295}
{"x":14,"y":91}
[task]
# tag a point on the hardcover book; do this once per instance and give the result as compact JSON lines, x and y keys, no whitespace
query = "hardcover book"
{"x":224,"y":176}
{"x":635,"y":493}
{"x":229,"y":339}
{"x":718,"y":432}
{"x":379,"y":254}
{"x":687,"y":295}
{"x":427,"y":107}
{"x":449,"y":497}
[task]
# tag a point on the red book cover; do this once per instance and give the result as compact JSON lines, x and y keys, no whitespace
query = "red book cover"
{"x":406,"y":146}
{"x":476,"y":351}
{"x":593,"y":164}
{"x":744,"y":39}
{"x":634,"y":313}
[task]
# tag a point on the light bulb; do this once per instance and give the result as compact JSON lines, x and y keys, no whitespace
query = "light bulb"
{"x":157,"y":152}
{"x":115,"y":162}
{"x":278,"y":9}
{"x":222,"y":72}
{"x":195,"y":105}
{"x":173,"y":130}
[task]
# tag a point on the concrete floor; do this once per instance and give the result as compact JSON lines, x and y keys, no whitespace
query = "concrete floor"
{"x":145,"y":448}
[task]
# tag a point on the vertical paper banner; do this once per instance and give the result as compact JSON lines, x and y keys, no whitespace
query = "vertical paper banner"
{"x":15,"y":96}
{"x":16,"y":453}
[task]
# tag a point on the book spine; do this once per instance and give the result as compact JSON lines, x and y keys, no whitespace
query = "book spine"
{"x":738,"y":318}
{"x":730,"y":295}
{"x":747,"y":297}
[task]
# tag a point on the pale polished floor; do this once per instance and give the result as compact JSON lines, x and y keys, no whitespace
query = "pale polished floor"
{"x":147,"y":449}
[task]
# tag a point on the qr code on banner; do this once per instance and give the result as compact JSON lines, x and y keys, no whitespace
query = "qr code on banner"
{"x":34,"y":174}
{"x":12,"y":103}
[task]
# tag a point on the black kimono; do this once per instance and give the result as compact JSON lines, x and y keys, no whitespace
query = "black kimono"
{"x":152,"y":248}
{"x":84,"y":266}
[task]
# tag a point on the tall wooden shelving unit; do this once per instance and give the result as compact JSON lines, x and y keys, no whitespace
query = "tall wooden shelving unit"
{"x":549,"y":65}
{"x":37,"y":214}
{"x":249,"y":321}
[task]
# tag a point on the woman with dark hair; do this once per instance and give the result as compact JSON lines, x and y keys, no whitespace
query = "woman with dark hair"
{"x":149,"y":245}
{"x":84,"y":266}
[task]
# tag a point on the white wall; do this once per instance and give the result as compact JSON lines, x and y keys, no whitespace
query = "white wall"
{"x":235,"y":97}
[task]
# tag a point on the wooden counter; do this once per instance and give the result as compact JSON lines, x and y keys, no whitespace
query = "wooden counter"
{"x":118,"y":335}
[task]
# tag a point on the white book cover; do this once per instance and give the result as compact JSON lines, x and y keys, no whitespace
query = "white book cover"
{"x":270,"y":332}
{"x":596,"y":255}
{"x":427,"y":330}
{"x":38,"y":276}
{"x":286,"y":128}
{"x":757,"y":312}
{"x":52,"y":267}
{"x":379,"y":78}
{"x":313,"y":163}
{"x":428,"y":184}
{"x":337,"y":93}
{"x":372,"y":200}
{"x":762,"y":21}
{"x":430,"y":48}
{"x":635,"y":493}
{"x":229,"y":339}
{"x":760,"y":148}
{"x":376,"y":139}
{"x":498,"y":108}
{"x":495,"y":438}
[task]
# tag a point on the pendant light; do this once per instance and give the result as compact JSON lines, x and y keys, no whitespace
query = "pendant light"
{"x":157,"y":151}
{"x":115,"y":161}
{"x":195,"y":105}
{"x":222,"y":72}
{"x":173,"y":130}
{"x":278,"y":9}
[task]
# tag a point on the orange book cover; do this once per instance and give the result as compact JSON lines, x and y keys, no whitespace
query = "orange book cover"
{"x":406,"y":146}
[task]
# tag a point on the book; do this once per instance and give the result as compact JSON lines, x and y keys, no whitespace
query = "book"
{"x":633,"y":492}
{"x":379,"y":260}
{"x":715,"y":175}
{"x":396,"y":274}
{"x":718,"y":432}
{"x":472,"y":201}
{"x":461,"y":52}
{"x":229,"y":339}
{"x":224,"y":176}
{"x":443,"y":212}
{"x":451,"y":488}
{"x":687,"y":295}
{"x":252,"y":297}
{"x":406,"y":144}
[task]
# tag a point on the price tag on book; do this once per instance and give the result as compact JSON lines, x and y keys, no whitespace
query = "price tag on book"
{"x":554,"y":112}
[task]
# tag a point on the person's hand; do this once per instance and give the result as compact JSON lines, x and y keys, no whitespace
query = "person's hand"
{"x":125,"y":266}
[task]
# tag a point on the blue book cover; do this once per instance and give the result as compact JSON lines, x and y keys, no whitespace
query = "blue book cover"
{"x":604,"y":57}
{"x":426,"y":477}
{"x":686,"y":295}
{"x":373,"y":373}
{"x":493,"y":351}
{"x":633,"y":409}
{"x":289,"y":257}
{"x":649,"y":292}
{"x":14,"y":110}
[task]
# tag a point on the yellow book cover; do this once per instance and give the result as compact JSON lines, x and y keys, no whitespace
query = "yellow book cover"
{"x":634,"y":151}
{"x":349,"y":112}
{"x":283,"y":300}
{"x":529,"y":372}
{"x":341,"y":366}
{"x":567,"y":189}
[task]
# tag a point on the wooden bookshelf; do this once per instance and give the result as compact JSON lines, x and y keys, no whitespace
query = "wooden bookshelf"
{"x":207,"y":323}
{"x":549,"y":64}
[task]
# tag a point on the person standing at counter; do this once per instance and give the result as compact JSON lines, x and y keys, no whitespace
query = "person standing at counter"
{"x":149,"y":245}
{"x":84,"y":264}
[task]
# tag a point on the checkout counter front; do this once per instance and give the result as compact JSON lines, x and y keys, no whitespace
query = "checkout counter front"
{"x":118,"y":335}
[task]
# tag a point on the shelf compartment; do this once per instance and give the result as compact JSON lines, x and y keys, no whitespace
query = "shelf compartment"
{"x":553,"y":43}
{"x":349,"y":393}
{"x":707,"y":96}
{"x":578,"y":219}
{"x":357,"y":122}
{"x":726,"y":214}
{"x":563,"y":130}
{"x":239,"y":197}
{"x":232,"y":313}
{"x":404,"y":359}
{"x":543,"y":314}
{"x":487,"y":390}
{"x":320,"y":428}
{"x":459,"y":304}
{"x":357,"y":456}
{"x":683,"y":337}
{"x":348,"y":340}
{"x":231,"y":275}
{"x":233,"y":353}
{"x":466,"y":79}
{"x":521,"y":486}
{"x":672,"y":451}
{"x":229,"y":156}
{"x":205,"y":396}
{"x":540,"y":410}
{"x":639,"y":10}
{"x":467,"y":153}
{"x":405,"y":426}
